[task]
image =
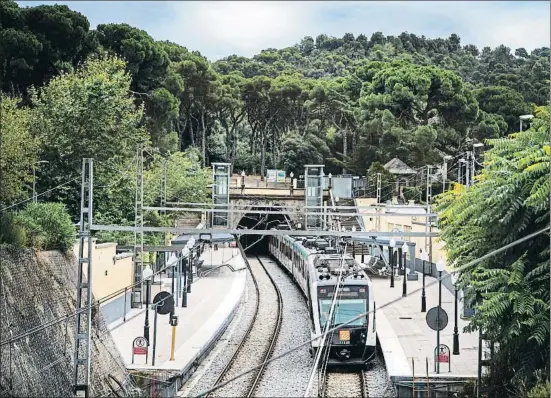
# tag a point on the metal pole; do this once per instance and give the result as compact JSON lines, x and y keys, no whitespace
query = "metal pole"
{"x":363,"y":258}
{"x":423,"y":297}
{"x":124,"y":313}
{"x":146,"y":323}
{"x":154,"y":336}
{"x":404,"y":285}
{"x":184,"y":288}
{"x":479,"y":379}
{"x":190,"y":261}
{"x":438,"y":322}
{"x":455,"y":329}
{"x":391,"y":258}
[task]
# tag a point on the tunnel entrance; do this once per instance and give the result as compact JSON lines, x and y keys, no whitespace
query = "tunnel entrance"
{"x":257,"y":243}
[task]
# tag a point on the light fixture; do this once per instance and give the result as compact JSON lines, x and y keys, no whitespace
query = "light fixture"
{"x":172,"y":260}
{"x":404,"y":247}
{"x":526,"y":117}
{"x":330,"y":175}
{"x":440,"y":265}
{"x":478,"y":145}
{"x":424,"y":256}
{"x":243,"y":173}
{"x":353,"y":228}
{"x":337,"y":199}
{"x":147,"y":273}
{"x":191,"y":242}
{"x":185,"y":251}
{"x":291,"y":175}
{"x":392,"y":242}
{"x":448,"y":157}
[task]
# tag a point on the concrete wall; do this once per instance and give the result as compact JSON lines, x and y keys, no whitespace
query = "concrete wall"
{"x":111,"y":273}
{"x":403,"y":223}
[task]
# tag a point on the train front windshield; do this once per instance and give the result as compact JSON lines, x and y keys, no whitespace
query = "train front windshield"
{"x":345,"y":310}
{"x":351,"y":302}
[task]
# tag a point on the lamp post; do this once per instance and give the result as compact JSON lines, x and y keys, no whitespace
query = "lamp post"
{"x":455,"y":329}
{"x":525,"y":117}
{"x":404,"y":284}
{"x":391,"y":246}
{"x":425,"y":258}
{"x":185,"y":254}
{"x":330,"y":179}
{"x":190,"y":244}
{"x":172,"y":261}
{"x":34,"y":177}
{"x":242,"y":181}
{"x":147,"y":273}
{"x":292,"y":185}
{"x":439,"y":268}
{"x":445,"y":172}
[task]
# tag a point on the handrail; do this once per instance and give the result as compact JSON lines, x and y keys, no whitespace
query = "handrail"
{"x":203,"y":274}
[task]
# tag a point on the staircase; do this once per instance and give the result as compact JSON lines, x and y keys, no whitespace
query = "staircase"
{"x":350,"y":221}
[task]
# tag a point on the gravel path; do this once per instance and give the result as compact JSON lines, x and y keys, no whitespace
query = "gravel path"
{"x":288,"y":376}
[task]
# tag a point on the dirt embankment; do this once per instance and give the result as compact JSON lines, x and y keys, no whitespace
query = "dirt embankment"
{"x":37,"y":288}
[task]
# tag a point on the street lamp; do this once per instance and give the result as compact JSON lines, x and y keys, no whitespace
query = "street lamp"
{"x":190,"y":244}
{"x":330,"y":179}
{"x":292,"y":185}
{"x":172,"y":261}
{"x":424,"y":258}
{"x":439,"y":267}
{"x":34,"y":177}
{"x":185,"y":253}
{"x":455,"y":329}
{"x":147,"y":273}
{"x":391,"y":246}
{"x":404,"y":284}
{"x":525,"y":117}
{"x":242,"y":181}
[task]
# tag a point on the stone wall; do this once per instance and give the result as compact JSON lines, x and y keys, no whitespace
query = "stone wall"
{"x":36,"y":288}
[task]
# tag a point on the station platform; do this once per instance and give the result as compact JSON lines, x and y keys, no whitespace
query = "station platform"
{"x":404,"y":334}
{"x":213,"y":301}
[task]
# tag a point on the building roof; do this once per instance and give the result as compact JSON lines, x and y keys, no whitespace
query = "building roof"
{"x":396,"y":166}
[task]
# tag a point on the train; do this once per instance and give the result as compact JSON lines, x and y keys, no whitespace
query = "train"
{"x":314,"y":265}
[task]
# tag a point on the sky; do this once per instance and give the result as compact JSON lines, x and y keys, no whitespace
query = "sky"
{"x":221,"y":28}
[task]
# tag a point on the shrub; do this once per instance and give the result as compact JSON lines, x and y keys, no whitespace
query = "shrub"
{"x":11,"y":230}
{"x":48,"y":226}
{"x":540,"y":390}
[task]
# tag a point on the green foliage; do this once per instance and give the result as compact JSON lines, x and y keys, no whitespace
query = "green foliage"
{"x":37,"y":43}
{"x":86,"y":113}
{"x":48,"y":226}
{"x":540,"y":390}
{"x":512,"y":196}
{"x":12,"y":231}
{"x":17,"y":152}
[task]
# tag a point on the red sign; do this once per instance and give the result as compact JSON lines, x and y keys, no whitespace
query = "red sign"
{"x":443,"y":358}
{"x":140,"y":350}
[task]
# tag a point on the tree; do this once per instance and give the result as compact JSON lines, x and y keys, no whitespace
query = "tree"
{"x":86,"y":114}
{"x":37,"y":43}
{"x":509,"y":200}
{"x":18,"y":151}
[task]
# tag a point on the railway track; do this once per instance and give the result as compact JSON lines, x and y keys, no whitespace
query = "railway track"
{"x":260,"y":338}
{"x":341,"y":384}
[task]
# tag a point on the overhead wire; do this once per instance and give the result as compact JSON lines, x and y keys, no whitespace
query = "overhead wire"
{"x":457,"y":270}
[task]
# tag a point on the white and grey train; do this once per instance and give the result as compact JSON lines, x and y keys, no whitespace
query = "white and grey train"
{"x":314,"y":266}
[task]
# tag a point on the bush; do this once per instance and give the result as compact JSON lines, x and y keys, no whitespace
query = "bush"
{"x":11,"y":230}
{"x":48,"y":226}
{"x":540,"y":390}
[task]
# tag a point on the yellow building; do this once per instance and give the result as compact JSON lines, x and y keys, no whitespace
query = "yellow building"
{"x":398,"y":223}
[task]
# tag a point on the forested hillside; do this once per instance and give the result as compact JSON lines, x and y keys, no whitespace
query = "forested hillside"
{"x":346,"y":102}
